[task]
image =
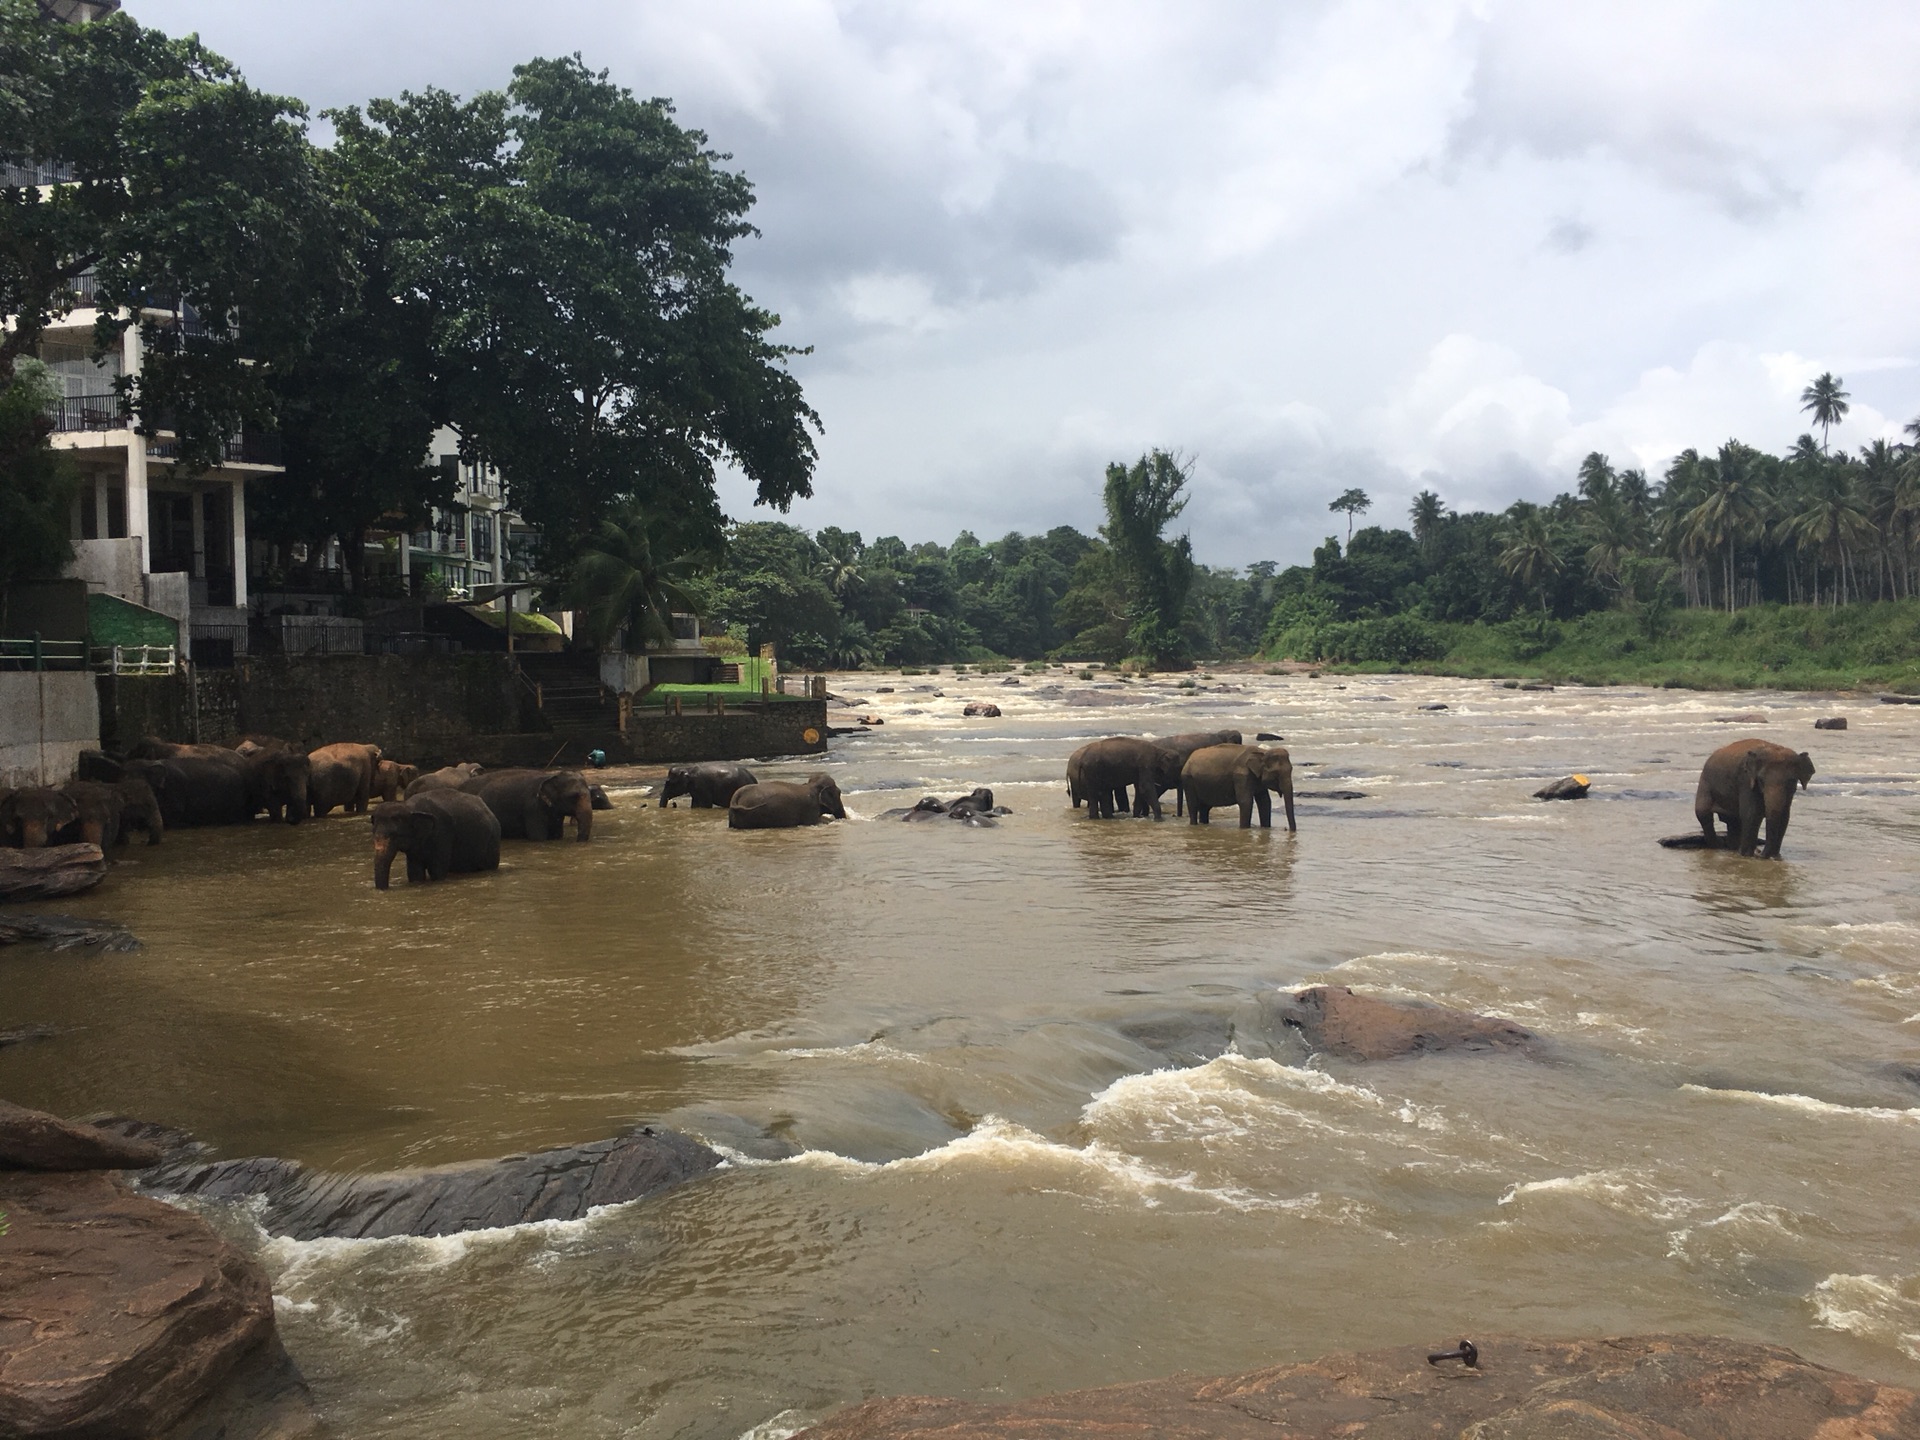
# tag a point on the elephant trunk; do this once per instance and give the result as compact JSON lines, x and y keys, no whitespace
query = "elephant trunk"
{"x":94,"y":832}
{"x":33,"y":834}
{"x":382,"y":861}
{"x":1286,"y":799}
{"x":583,"y":816}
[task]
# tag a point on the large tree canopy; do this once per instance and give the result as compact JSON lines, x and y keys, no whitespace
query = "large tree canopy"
{"x":184,"y":191}
{"x":567,"y":247}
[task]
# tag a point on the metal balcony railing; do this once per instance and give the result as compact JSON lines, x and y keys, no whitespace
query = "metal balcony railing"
{"x":89,"y":412}
{"x":35,"y":172}
{"x":249,"y":447}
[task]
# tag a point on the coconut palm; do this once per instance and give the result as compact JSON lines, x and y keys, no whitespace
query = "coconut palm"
{"x":1831,"y":522}
{"x":1613,"y":533}
{"x":1427,"y":512}
{"x":1826,"y":402}
{"x":1733,"y":510}
{"x":634,"y":577}
{"x":1527,"y":550}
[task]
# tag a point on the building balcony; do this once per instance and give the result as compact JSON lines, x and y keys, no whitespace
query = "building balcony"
{"x":249,"y":447}
{"x":36,"y":173}
{"x":90,"y":412}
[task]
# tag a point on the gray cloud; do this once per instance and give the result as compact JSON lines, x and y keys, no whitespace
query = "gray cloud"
{"x":1345,"y":242}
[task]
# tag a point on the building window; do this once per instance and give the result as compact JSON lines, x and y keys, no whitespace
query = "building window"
{"x":116,"y":509}
{"x":483,"y":538}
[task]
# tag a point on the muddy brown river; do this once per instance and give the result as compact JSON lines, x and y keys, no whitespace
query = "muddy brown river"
{"x":1002,"y":1110}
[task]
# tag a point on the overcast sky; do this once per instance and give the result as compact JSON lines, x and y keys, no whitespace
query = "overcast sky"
{"x":1310,"y":245}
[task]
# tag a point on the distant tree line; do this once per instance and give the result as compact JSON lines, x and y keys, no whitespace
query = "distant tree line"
{"x":1734,"y":528}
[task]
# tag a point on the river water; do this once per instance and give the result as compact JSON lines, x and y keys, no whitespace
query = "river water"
{"x":1004,"y":1108}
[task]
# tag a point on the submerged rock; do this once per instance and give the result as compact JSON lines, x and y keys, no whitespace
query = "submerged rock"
{"x":308,"y":1204}
{"x":65,"y":932}
{"x":1571,"y":787}
{"x":1333,"y":795}
{"x":35,"y":1140}
{"x":1363,"y":1027}
{"x":121,"y":1314}
{"x":1266,"y":736}
{"x":51,"y":872}
{"x":1679,"y":1387}
{"x":1832,"y":722}
{"x":1106,"y":697}
{"x":1695,"y":840}
{"x":983,"y":708}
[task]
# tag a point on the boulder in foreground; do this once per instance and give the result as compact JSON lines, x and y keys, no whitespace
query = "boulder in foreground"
{"x":1654,"y":1387}
{"x":120,"y":1314}
{"x":1363,"y":1027}
{"x":35,"y":1140}
{"x":49,"y":872}
{"x":558,"y":1184}
{"x":1569,"y":787}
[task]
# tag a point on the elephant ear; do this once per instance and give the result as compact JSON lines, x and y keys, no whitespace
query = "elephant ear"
{"x":1752,"y":771}
{"x":1803,"y":768}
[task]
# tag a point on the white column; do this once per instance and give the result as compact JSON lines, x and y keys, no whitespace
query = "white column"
{"x":136,"y":461}
{"x":239,"y":508}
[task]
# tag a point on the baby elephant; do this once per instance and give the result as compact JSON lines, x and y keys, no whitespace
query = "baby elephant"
{"x":782,"y":805}
{"x":30,"y":818}
{"x":442,"y":833}
{"x":1747,"y":782}
{"x":391,"y":779}
{"x":711,"y":784}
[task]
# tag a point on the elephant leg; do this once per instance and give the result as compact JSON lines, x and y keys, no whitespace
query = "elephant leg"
{"x":94,"y":832}
{"x":537,"y":823}
{"x":1752,"y":812}
{"x":1265,"y":801}
{"x":1776,"y":832}
{"x":416,"y":870}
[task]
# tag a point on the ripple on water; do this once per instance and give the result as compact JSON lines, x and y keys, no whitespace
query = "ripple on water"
{"x":1884,"y":1309}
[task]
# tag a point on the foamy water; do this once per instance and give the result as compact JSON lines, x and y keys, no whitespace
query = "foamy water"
{"x":1012,"y":1109}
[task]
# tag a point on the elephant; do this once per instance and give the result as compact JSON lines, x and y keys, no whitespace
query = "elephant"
{"x":1189,"y":741}
{"x":248,"y":744}
{"x":98,"y":812}
{"x":1237,"y":774}
{"x":152,"y":747}
{"x":340,"y":775}
{"x":782,"y":804}
{"x":1100,"y":771}
{"x":139,"y":809}
{"x":391,"y":779}
{"x":226,"y":790}
{"x":975,"y":809}
{"x":99,"y":765}
{"x":1746,"y":782}
{"x":442,"y":833}
{"x":448,"y":777}
{"x":31,"y":817}
{"x":535,"y":804}
{"x":601,"y":800}
{"x":710,"y":785}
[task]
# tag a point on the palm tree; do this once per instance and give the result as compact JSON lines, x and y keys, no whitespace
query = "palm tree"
{"x":1831,"y":521}
{"x":1614,"y":533}
{"x":1733,"y":510}
{"x":1596,"y":477}
{"x":1827,"y":402}
{"x":1880,"y":493}
{"x":1427,"y":511}
{"x":1528,"y":553}
{"x":634,"y":577}
{"x":1353,"y":502}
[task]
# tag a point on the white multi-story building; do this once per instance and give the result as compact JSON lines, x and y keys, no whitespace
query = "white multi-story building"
{"x":471,"y":542}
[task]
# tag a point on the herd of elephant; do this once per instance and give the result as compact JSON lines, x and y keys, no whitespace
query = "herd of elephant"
{"x":1745,"y":784}
{"x":452,"y":820}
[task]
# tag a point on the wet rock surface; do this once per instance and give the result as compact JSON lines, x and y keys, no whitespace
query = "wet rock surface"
{"x":1363,"y":1027}
{"x":306,"y":1204}
{"x":1570,"y":787}
{"x":1656,"y":1387}
{"x":119,"y":1313}
{"x":65,"y":932}
{"x":50,"y":872}
{"x":35,"y":1140}
{"x":1832,"y":722}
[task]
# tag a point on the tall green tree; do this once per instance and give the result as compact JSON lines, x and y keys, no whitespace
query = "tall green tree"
{"x":1427,"y":512}
{"x":1826,"y":402}
{"x":572,"y":244}
{"x":186,"y":199}
{"x":36,"y":481}
{"x":1528,"y":550}
{"x":1350,"y":503}
{"x":636,"y":571}
{"x":1142,"y":500}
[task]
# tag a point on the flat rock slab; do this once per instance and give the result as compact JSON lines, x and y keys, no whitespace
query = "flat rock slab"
{"x":35,"y":1140}
{"x":477,"y":1195}
{"x":120,"y":1314}
{"x":1654,"y":1387}
{"x":49,"y":872}
{"x":65,"y":932}
{"x":1363,"y":1027}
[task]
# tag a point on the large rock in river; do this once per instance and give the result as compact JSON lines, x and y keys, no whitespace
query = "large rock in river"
{"x":50,"y":872}
{"x":118,"y":1314}
{"x":476,"y":1195}
{"x":35,"y":1140}
{"x":1654,"y":1387}
{"x":1364,"y":1027}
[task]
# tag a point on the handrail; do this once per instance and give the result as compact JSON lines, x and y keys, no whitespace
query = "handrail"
{"x":136,"y":659}
{"x":38,"y":653}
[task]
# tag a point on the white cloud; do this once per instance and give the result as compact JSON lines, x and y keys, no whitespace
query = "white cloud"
{"x":1374,"y":242}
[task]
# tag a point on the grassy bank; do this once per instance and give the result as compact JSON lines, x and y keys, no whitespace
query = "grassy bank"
{"x":1787,"y":647}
